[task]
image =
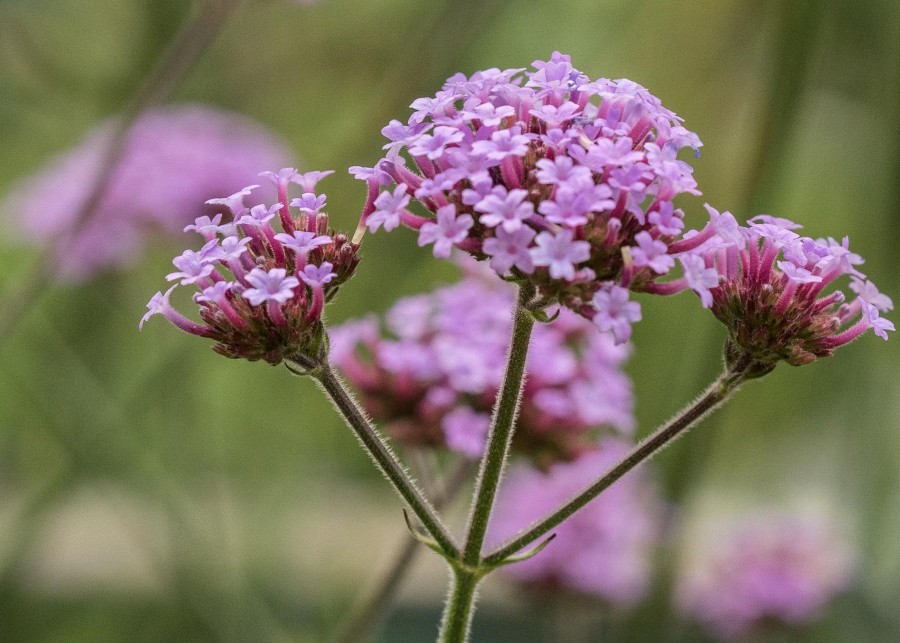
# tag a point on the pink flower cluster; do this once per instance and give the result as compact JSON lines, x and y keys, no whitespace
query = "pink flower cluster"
{"x":607,"y":548}
{"x":270,"y":307}
{"x":433,"y":376}
{"x":771,"y":288}
{"x":174,"y":158}
{"x":553,"y":177}
{"x":765,"y":567}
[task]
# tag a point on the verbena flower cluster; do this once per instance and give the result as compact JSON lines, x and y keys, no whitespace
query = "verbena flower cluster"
{"x":174,"y":158}
{"x":772,"y":288}
{"x":270,"y":305}
{"x":605,"y":550}
{"x":765,"y":567}
{"x":432,"y":376}
{"x":553,"y":177}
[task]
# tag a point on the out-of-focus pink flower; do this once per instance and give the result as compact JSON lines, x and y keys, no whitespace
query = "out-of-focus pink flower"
{"x":433,"y":375}
{"x":761,"y":567}
{"x":174,"y":159}
{"x":607,"y":548}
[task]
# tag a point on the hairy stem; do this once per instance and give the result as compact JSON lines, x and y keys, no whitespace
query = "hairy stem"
{"x":716,"y":395}
{"x":460,"y":606}
{"x":372,"y":612}
{"x":384,"y":458}
{"x":500,"y":435}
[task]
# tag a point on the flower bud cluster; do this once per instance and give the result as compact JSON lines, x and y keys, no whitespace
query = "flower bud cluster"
{"x":261,"y":293}
{"x":606,"y":549}
{"x":552,"y":177}
{"x":432,"y":377}
{"x":771,"y":288}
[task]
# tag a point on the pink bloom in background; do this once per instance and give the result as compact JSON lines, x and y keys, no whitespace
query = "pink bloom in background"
{"x":762,"y":567}
{"x":432,"y":376}
{"x":607,"y":548}
{"x":175,"y":158}
{"x":554,"y":178}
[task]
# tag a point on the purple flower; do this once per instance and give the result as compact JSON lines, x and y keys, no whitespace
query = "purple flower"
{"x":308,"y":180}
{"x":615,"y":313}
{"x":878,"y":324}
{"x":776,"y":309}
{"x":208,"y":227}
{"x":318,"y":275}
{"x":503,"y":143}
{"x":560,"y":253}
{"x":545,"y":149}
{"x":666,"y":219}
{"x":281,"y":178}
{"x":271,"y":285}
{"x":215,"y":293}
{"x":309,"y":203}
{"x":699,"y":278}
{"x":230,"y":248}
{"x":574,"y":202}
{"x":796,"y":274}
{"x":302,"y":242}
{"x":489,"y":114}
{"x":466,"y":431}
{"x":508,"y":249}
{"x":505,"y":209}
{"x":235,"y":202}
{"x":388,"y":208}
{"x":561,"y":170}
{"x":263,"y":313}
{"x":555,"y":116}
{"x":433,"y":146}
{"x":651,"y":253}
{"x":446,"y":231}
{"x":867,"y":291}
{"x":192,"y":266}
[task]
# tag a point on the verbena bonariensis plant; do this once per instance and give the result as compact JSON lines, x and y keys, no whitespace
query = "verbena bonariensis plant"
{"x":564,"y":185}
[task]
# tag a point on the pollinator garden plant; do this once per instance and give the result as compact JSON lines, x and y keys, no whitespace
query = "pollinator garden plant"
{"x":564,"y":187}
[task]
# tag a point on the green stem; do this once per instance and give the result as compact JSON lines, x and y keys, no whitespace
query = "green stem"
{"x":384,"y":458}
{"x":716,"y":395}
{"x":457,"y":618}
{"x":501,"y":431}
{"x":372,"y":612}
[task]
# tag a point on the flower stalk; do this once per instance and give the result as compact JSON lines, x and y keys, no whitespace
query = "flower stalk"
{"x":717,"y":394}
{"x":468,"y":572}
{"x":501,"y":431}
{"x":381,"y":453}
{"x":371,"y":613}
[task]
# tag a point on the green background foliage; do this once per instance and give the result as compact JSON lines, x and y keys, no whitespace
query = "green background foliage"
{"x":152,"y":491}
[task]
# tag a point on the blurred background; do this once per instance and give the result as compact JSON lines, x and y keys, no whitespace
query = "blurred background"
{"x":152,"y":491}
